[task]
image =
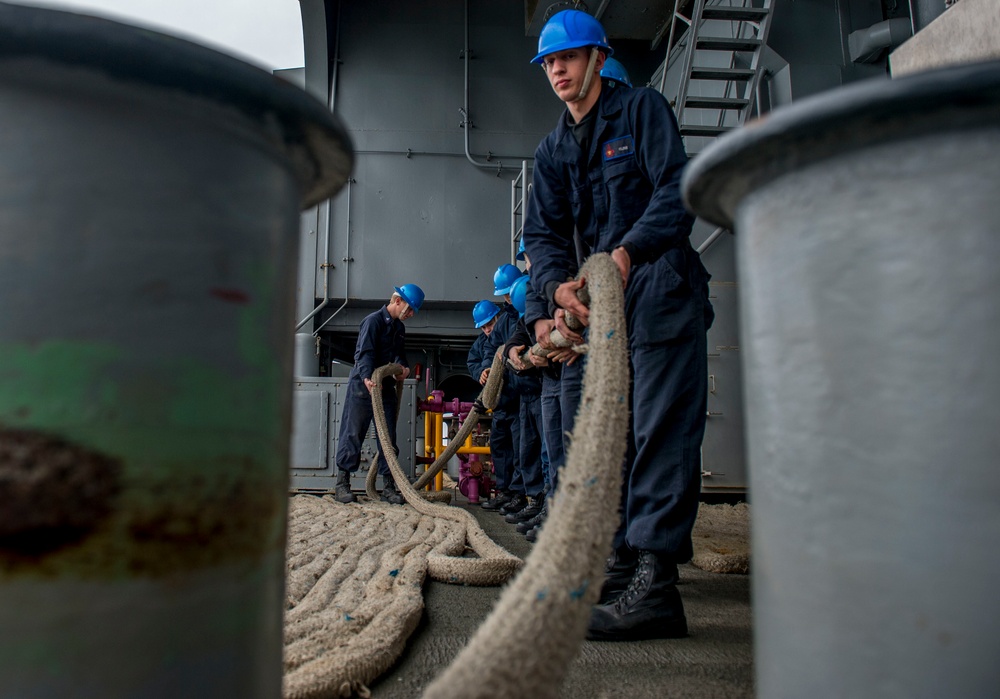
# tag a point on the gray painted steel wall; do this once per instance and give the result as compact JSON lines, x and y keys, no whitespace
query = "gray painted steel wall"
{"x":432,"y":218}
{"x":419,"y":211}
{"x":723,"y":458}
{"x":318,"y":403}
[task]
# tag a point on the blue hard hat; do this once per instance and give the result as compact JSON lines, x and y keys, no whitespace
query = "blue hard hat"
{"x":484,"y":312}
{"x":520,"y":250}
{"x":614,"y":70}
{"x":571,"y":29}
{"x":519,"y":294}
{"x":412,"y":294}
{"x":503,"y":278}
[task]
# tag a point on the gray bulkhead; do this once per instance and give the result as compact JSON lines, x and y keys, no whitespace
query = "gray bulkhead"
{"x":428,"y":207}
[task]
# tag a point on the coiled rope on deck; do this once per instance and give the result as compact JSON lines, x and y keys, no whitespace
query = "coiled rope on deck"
{"x":354,"y":591}
{"x":355,"y":571}
{"x":355,"y":575}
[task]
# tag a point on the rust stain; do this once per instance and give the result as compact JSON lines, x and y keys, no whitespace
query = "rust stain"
{"x":52,"y":493}
{"x":230,"y":295}
{"x":67,"y":511}
{"x":201,"y":522}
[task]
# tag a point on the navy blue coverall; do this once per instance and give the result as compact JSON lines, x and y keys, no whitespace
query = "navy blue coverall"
{"x":528,"y":385}
{"x":540,"y":417}
{"x":624,"y":192}
{"x":561,"y":386}
{"x":381,"y":341}
{"x":501,"y":434}
{"x":479,"y":356}
{"x":505,"y":433}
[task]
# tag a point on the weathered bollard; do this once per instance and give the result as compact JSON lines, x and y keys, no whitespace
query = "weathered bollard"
{"x":867,"y":222}
{"x":149,"y":199}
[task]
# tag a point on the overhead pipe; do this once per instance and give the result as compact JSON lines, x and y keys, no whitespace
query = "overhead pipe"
{"x":326,"y":274}
{"x":465,"y":112}
{"x":347,"y":260}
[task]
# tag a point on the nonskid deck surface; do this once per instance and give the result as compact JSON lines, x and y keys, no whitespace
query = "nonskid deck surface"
{"x":716,"y":660}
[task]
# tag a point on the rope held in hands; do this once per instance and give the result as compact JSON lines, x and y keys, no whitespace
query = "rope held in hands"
{"x":525,"y":646}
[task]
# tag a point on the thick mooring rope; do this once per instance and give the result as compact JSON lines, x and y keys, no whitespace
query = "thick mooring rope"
{"x":355,"y":572}
{"x":494,"y":564}
{"x":525,"y":646}
{"x":354,"y":591}
{"x":557,"y":338}
{"x":487,"y":400}
{"x":355,"y":575}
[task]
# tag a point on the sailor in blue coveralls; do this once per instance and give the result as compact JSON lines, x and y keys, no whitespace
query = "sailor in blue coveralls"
{"x":610,"y":172}
{"x":554,"y":428}
{"x":480,"y":360}
{"x":527,"y":383}
{"x":381,"y":341}
{"x":505,"y":435}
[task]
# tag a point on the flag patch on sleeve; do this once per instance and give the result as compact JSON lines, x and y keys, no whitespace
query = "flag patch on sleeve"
{"x":619,"y":148}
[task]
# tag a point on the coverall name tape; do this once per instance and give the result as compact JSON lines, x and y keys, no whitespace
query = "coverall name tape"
{"x":619,"y":148}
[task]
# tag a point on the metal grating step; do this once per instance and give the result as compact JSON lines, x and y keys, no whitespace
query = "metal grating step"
{"x":715,"y":103}
{"x":732,"y":105}
{"x":745,"y":14}
{"x":705,"y":131}
{"x":723,"y":43}
{"x":707,"y":73}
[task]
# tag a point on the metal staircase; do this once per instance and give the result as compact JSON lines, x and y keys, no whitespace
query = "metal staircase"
{"x":719,"y":47}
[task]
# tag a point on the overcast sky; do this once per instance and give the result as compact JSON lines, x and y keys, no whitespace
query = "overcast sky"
{"x":265,"y":32}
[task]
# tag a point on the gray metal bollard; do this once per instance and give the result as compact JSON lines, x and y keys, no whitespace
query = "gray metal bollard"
{"x":149,"y":198}
{"x":867,"y":222}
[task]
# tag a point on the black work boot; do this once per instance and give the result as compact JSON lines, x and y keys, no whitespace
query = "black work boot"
{"x":390,"y":493}
{"x":517,"y":502}
{"x":343,"y":491}
{"x":529,"y":511}
{"x":536,"y":521}
{"x":650,"y":607}
{"x":501,"y":499}
{"x":618,"y":572}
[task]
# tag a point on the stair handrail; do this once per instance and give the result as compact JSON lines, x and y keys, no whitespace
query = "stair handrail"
{"x":682,"y":89}
{"x":731,"y":84}
{"x":762,"y":34}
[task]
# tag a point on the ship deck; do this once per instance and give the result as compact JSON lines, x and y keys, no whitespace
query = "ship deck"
{"x":715,"y":660}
